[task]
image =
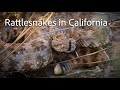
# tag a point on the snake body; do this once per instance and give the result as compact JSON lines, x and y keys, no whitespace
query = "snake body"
{"x":42,"y":49}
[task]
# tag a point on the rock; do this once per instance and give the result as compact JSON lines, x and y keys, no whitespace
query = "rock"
{"x":32,"y":55}
{"x":97,"y":35}
{"x":37,"y":51}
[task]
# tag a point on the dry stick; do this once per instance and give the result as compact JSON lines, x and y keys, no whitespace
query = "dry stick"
{"x":25,"y":27}
{"x":13,"y":42}
{"x":101,"y":61}
{"x":49,"y":17}
{"x":93,"y":63}
{"x":76,"y":53}
{"x":20,"y":36}
{"x":88,"y":54}
{"x":31,"y":27}
{"x":22,"y":33}
{"x":24,"y":30}
{"x":83,"y":55}
{"x":44,"y":16}
{"x":15,"y":49}
{"x":105,"y":53}
{"x":19,"y":45}
{"x":46,"y":19}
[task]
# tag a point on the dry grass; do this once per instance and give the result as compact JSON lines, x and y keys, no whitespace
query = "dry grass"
{"x":47,"y":16}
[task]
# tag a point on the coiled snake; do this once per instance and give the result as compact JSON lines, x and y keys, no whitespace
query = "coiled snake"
{"x":43,"y":48}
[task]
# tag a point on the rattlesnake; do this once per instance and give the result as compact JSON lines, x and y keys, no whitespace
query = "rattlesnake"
{"x":42,"y":49}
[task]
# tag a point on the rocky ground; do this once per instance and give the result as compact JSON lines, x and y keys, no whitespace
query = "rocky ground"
{"x":109,"y":69}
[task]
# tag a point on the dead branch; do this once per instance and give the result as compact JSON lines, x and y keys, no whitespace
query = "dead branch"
{"x":89,"y":55}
